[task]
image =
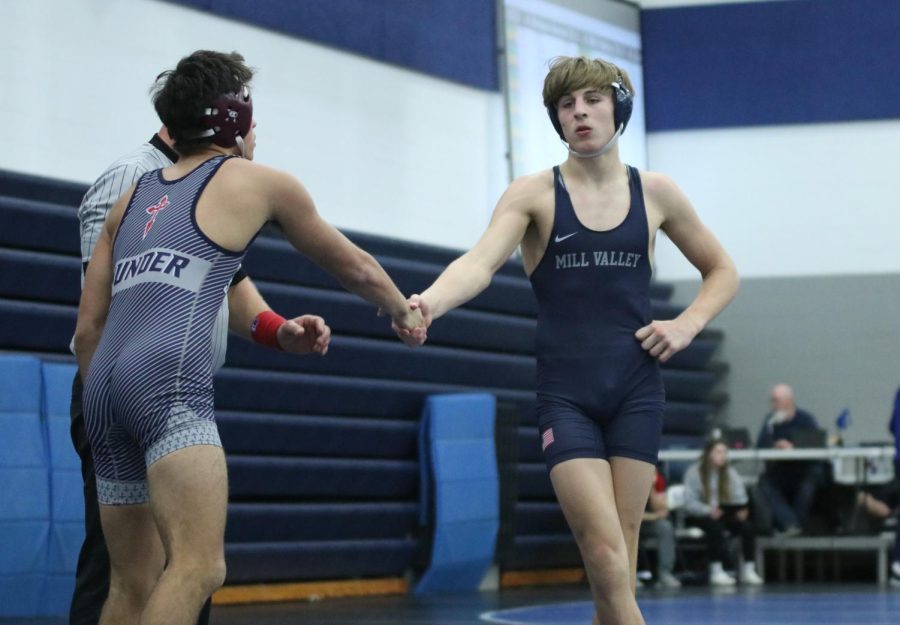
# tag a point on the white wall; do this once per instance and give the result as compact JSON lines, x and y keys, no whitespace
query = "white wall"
{"x":806,"y":200}
{"x":382,"y":149}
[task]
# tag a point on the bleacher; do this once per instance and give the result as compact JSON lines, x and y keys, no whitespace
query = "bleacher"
{"x":322,"y":452}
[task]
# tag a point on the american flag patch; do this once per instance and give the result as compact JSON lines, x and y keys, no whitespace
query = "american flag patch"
{"x":546,"y":438}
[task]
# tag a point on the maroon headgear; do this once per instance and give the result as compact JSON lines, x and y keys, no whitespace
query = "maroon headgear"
{"x":229,"y":117}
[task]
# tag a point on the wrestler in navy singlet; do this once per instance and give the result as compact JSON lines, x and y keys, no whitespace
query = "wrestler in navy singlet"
{"x":599,"y":393}
{"x":149,"y":388}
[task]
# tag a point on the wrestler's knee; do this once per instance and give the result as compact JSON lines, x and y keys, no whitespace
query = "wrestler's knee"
{"x":606,"y":560}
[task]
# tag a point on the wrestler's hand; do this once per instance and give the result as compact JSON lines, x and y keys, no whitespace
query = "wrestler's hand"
{"x":417,"y":302}
{"x":306,"y":334}
{"x":410,"y":327}
{"x":664,"y":339}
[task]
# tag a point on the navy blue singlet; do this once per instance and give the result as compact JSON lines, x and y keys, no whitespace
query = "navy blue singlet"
{"x":599,"y":393}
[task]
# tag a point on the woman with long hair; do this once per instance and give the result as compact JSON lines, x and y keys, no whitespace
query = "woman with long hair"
{"x":716,"y":501}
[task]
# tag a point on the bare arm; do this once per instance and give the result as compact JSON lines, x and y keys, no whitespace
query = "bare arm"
{"x":663,"y":339}
{"x":355,"y":269}
{"x":301,"y":335}
{"x":97,"y":292}
{"x":471,"y":273}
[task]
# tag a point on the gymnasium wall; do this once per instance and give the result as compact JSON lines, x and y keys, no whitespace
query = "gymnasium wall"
{"x":383,"y":148}
{"x":779,"y":121}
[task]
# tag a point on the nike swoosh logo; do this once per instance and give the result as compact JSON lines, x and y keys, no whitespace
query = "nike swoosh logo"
{"x":560,"y":239}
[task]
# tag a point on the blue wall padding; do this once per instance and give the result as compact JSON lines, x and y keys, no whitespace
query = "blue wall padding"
{"x":24,"y":494}
{"x":457,"y":448}
{"x":20,"y":595}
{"x":20,"y":390}
{"x":763,"y":63}
{"x":57,"y":397}
{"x":66,"y":495}
{"x":446,"y":38}
{"x":24,"y":487}
{"x":65,"y":543}
{"x":24,"y":546}
{"x":66,"y":490}
{"x":56,"y":594}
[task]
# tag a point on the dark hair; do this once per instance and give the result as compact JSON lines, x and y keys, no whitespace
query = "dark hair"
{"x":181,"y":95}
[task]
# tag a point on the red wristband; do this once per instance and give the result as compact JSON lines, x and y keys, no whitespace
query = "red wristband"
{"x":264,"y":328}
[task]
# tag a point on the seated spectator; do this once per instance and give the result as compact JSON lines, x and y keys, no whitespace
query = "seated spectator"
{"x":788,"y":486}
{"x":715,"y":500}
{"x":657,"y":524}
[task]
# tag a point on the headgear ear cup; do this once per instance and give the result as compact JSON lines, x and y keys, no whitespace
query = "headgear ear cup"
{"x":229,"y":117}
{"x":554,"y":119}
{"x":623,"y":104}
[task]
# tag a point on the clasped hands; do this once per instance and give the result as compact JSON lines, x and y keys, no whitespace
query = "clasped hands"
{"x":412,"y":326}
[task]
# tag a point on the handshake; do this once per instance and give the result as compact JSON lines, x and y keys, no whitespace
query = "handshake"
{"x":411,"y":324}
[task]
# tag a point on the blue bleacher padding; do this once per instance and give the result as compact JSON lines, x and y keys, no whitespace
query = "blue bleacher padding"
{"x":24,"y":546}
{"x":247,"y":390}
{"x":241,"y":389}
{"x":544,"y":551}
{"x":441,"y":256}
{"x":294,"y":522}
{"x":265,"y":477}
{"x":540,"y":517}
{"x":529,"y":444}
{"x":28,"y":186}
{"x":20,"y":595}
{"x":296,"y":435}
{"x":40,"y":276}
{"x":534,"y":481}
{"x":57,"y":324}
{"x":350,"y":314}
{"x":39,"y":226}
{"x":460,"y":490}
{"x":683,"y":385}
{"x":354,"y":356}
{"x":696,"y":356}
{"x":256,"y":562}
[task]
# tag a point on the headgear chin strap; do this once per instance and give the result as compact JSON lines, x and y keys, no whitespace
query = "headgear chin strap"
{"x":229,"y":119}
{"x":623,"y":105}
{"x":606,"y":148}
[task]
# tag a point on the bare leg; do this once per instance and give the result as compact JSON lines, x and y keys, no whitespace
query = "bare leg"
{"x":136,"y":561}
{"x":584,"y":487}
{"x":189,"y":497}
{"x":632,"y":480}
